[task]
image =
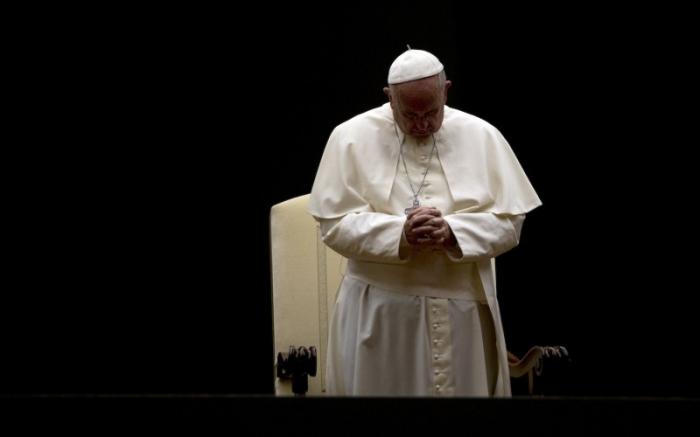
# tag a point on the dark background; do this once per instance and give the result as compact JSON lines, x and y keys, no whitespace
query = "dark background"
{"x":151,"y":144}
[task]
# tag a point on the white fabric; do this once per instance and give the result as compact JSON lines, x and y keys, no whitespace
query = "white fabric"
{"x":360,"y":163}
{"x":417,"y":272}
{"x":413,"y":65}
{"x":483,"y":192}
{"x":374,"y":329}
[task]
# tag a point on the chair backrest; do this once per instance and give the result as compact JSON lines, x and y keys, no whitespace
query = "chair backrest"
{"x":305,"y":279}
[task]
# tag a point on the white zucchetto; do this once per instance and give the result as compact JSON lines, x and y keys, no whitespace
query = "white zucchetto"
{"x":413,"y":65}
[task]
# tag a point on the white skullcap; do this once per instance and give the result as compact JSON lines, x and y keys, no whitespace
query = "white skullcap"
{"x":412,"y":65}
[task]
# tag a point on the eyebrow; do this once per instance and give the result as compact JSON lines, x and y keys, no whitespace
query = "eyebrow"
{"x":429,"y":112}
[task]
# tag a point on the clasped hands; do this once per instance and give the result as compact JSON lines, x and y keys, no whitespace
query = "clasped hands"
{"x":425,"y":227}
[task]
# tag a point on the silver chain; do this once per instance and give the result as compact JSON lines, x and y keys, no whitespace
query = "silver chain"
{"x":427,"y":167}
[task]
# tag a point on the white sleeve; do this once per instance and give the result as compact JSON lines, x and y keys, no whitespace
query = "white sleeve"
{"x":366,"y":236}
{"x":483,"y":235}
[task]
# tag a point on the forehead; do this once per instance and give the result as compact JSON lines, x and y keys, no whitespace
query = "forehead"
{"x":419,"y":95}
{"x":419,"y":102}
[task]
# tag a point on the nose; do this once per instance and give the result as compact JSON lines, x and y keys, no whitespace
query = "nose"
{"x":422,"y":124}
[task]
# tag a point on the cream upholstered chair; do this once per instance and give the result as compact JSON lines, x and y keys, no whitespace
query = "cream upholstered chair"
{"x":305,"y":278}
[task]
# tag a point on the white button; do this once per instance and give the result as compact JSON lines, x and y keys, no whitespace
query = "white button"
{"x":436,"y":356}
{"x":435,"y":341}
{"x":436,"y":371}
{"x":435,"y":326}
{"x":437,"y":386}
{"x":424,"y":157}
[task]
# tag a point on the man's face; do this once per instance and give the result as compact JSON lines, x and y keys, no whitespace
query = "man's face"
{"x":418,"y":105}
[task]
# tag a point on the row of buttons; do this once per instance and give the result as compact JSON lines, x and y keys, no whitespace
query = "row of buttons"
{"x":439,"y":334}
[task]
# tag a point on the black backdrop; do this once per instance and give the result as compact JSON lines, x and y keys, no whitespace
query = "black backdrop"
{"x":158,"y":140}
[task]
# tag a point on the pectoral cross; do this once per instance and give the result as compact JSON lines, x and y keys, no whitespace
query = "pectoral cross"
{"x":416,"y":204}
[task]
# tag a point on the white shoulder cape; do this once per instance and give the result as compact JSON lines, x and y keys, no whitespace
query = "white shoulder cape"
{"x":361,"y":158}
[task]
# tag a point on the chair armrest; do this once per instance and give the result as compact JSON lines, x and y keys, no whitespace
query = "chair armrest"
{"x":521,"y":366}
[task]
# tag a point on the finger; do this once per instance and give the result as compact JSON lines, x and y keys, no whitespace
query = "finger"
{"x":436,"y":221}
{"x":438,"y":236}
{"x":426,"y":220}
{"x":427,"y":225}
{"x":419,"y":240}
{"x":419,"y":220}
{"x":426,"y":228}
{"x":425,"y":242}
{"x":423,"y":232}
{"x":422,"y":210}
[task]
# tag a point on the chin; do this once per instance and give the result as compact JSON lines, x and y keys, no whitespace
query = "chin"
{"x":421,"y":134}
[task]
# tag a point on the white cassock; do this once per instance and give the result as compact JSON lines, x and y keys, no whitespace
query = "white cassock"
{"x":410,"y":322}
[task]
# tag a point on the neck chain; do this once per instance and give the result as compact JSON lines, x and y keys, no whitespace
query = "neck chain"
{"x":416,"y":203}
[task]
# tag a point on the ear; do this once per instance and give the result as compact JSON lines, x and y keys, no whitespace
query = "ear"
{"x":387,"y":92}
{"x":448,"y":84}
